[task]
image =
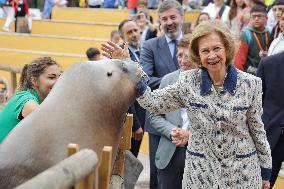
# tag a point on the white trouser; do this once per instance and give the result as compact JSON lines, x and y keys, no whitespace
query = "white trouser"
{"x":10,"y":16}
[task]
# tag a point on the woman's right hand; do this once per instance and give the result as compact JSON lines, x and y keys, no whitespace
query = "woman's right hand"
{"x":112,"y":50}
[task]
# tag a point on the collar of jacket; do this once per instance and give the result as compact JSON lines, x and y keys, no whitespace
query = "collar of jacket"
{"x":229,"y":83}
{"x":256,"y":31}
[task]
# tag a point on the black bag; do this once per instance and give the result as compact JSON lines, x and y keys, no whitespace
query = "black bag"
{"x":21,"y":9}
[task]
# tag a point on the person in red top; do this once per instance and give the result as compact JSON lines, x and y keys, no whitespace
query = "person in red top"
{"x":15,"y":8}
{"x":254,"y":41}
{"x":132,"y":6}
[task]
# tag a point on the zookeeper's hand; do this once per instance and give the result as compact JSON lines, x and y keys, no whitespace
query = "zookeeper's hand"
{"x":265,"y":184}
{"x":112,"y":50}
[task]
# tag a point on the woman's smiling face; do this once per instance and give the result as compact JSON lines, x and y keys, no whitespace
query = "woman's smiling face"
{"x":212,"y":53}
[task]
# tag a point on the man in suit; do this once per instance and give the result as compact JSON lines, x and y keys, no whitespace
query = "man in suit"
{"x":170,"y":157}
{"x":271,"y":71}
{"x":130,"y":33}
{"x":158,"y":59}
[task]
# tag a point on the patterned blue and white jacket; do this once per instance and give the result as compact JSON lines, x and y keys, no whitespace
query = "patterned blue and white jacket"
{"x":228,"y":148}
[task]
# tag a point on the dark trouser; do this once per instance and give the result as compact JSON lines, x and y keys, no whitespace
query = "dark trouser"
{"x":171,"y":176}
{"x":94,"y":6}
{"x":135,"y":146}
{"x":153,"y":146}
{"x":277,"y":159}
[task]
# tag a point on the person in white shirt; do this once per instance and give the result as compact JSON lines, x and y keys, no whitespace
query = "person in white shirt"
{"x":218,"y":10}
{"x":277,"y":44}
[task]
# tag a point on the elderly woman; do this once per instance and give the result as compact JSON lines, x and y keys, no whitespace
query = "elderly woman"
{"x":228,"y":147}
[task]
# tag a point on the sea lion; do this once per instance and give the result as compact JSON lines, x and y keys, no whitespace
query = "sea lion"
{"x":86,"y":106}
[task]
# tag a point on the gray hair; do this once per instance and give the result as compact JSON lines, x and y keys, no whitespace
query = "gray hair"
{"x":168,"y":4}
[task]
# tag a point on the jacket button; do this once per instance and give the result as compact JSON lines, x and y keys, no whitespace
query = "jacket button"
{"x":219,"y":159}
{"x":218,"y":132}
{"x":219,"y":146}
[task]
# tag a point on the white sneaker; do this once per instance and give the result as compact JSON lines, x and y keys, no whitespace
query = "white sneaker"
{"x":6,"y":29}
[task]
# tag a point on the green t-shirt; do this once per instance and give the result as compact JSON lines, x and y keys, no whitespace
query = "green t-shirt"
{"x":11,"y":113}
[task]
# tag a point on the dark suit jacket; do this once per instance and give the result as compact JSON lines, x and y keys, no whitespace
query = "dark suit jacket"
{"x":150,"y":34}
{"x":135,"y":109}
{"x":156,"y":60}
{"x":271,"y":71}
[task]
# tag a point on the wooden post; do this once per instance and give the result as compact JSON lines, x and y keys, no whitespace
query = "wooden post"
{"x":13,"y":72}
{"x":89,"y":181}
{"x":72,"y":149}
{"x":13,"y":81}
{"x":21,"y":25}
{"x":125,"y":144}
{"x":105,"y":167}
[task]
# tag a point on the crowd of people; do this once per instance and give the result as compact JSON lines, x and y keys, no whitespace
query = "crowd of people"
{"x":206,"y":129}
{"x":202,"y":105}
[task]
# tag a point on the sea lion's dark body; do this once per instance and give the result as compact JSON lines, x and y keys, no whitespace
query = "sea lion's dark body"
{"x":87,"y":106}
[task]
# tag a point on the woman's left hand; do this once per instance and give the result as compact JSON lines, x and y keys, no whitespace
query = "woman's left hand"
{"x":265,"y":184}
{"x":112,"y":50}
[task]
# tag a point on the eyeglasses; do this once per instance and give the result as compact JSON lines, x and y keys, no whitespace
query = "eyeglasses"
{"x":255,"y":16}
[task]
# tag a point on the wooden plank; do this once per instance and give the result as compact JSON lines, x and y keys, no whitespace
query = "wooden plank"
{"x":13,"y":82}
{"x":118,"y":167}
{"x":48,"y":43}
{"x":89,"y":181}
{"x":72,"y":149}
{"x":89,"y":14}
{"x":105,"y":167}
{"x":64,"y":28}
{"x":106,"y":15}
{"x":125,"y":143}
{"x":18,"y":58}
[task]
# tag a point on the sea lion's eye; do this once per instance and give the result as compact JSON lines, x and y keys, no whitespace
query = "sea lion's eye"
{"x":109,"y":74}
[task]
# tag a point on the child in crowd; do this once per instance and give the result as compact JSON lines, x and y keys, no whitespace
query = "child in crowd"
{"x":202,"y":17}
{"x":277,"y":8}
{"x":254,"y":41}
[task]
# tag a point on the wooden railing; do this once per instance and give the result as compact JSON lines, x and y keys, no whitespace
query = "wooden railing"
{"x":64,"y":174}
{"x":13,"y":73}
{"x":82,"y":169}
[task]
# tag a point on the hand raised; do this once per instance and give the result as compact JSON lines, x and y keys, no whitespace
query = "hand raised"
{"x":112,"y":50}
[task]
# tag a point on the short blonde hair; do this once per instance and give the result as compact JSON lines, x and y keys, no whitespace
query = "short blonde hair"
{"x":207,"y":28}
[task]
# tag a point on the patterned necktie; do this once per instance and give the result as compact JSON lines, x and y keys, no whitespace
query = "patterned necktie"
{"x":174,"y":41}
